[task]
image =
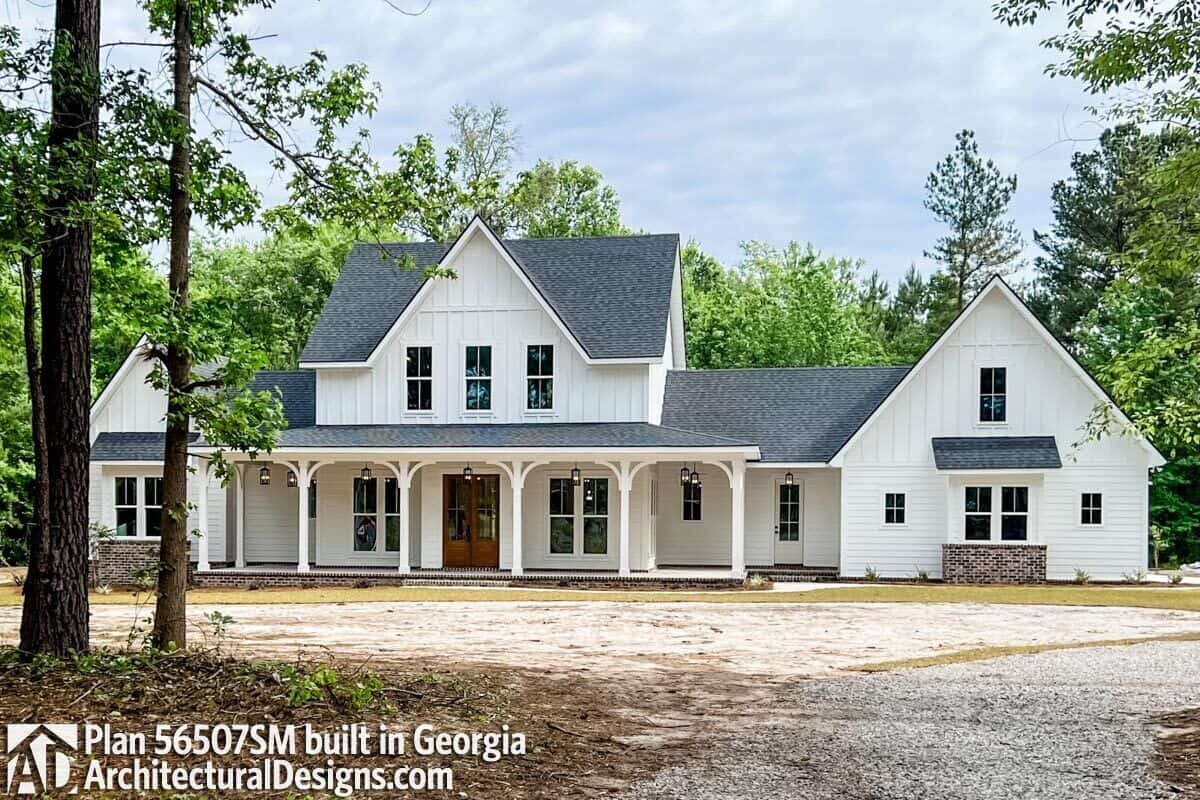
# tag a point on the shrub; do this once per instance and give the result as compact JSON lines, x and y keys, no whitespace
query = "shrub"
{"x":871,"y":574}
{"x":1176,"y":578}
{"x":921,"y":575}
{"x":1082,"y":577}
{"x":1134,"y":577}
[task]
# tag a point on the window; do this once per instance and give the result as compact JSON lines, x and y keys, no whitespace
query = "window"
{"x":418,"y":370}
{"x":789,"y":512}
{"x":993,"y":394}
{"x":562,"y":516}
{"x":153,"y":504}
{"x":365,"y":505}
{"x":539,"y":377}
{"x":1014,"y":513}
{"x":978,"y":509}
{"x":691,"y":503}
{"x":1090,"y":509}
{"x":126,"y":504}
{"x":595,"y":516}
{"x":893,"y":508}
{"x":312,"y":499}
{"x":391,"y":515}
{"x":479,"y":378}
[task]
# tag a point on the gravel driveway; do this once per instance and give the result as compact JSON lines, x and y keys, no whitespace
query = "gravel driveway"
{"x":1068,"y":724}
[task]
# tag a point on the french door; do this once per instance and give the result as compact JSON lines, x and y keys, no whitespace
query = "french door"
{"x":471,"y":521}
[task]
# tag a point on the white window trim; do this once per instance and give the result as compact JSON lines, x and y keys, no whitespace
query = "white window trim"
{"x":1092,"y":526}
{"x":578,"y":517}
{"x":976,"y":394}
{"x":384,"y":516}
{"x":462,"y":379}
{"x":525,"y":377}
{"x":139,"y":478}
{"x":434,"y":357}
{"x":883,"y":509}
{"x":996,"y":515}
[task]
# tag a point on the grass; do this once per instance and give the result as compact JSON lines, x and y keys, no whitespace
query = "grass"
{"x":1179,"y":599}
{"x":985,"y":653}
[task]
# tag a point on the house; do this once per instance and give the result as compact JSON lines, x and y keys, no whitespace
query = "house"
{"x":535,"y":415}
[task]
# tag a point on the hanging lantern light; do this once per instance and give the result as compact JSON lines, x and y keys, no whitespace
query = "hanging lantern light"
{"x":366,"y":472}
{"x":695,"y":478}
{"x":789,"y":478}
{"x":468,"y":473}
{"x":264,"y":477}
{"x":576,"y":475}
{"x":685,"y":476}
{"x":292,"y":481}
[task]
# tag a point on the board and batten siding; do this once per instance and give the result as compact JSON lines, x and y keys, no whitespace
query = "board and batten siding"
{"x":133,"y":405}
{"x":1045,"y":398}
{"x":487,"y":304}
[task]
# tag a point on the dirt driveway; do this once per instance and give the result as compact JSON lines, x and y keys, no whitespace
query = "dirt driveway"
{"x":763,"y":640}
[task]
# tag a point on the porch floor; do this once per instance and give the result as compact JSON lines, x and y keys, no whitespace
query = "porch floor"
{"x":289,"y":573}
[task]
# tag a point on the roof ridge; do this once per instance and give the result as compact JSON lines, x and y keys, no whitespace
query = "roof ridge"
{"x":791,"y":369}
{"x":506,"y":240}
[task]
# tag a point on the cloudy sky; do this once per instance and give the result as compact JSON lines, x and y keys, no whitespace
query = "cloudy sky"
{"x":723,"y":121}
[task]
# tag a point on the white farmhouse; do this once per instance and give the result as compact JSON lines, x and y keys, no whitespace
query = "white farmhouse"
{"x":534,"y":415}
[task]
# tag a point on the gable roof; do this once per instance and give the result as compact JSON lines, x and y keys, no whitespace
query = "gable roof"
{"x":132,"y":446}
{"x":793,"y":414}
{"x":611,"y":293}
{"x":995,"y":452}
{"x":998,"y":284}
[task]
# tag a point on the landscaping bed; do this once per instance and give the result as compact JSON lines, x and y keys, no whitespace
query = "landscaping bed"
{"x":574,"y":737}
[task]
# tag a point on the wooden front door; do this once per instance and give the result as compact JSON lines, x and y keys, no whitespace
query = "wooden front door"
{"x":471,"y":523}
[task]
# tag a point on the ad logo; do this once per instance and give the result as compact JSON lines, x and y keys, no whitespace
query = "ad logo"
{"x":38,"y":759}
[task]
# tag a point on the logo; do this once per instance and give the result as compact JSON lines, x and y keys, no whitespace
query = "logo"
{"x":37,"y":757}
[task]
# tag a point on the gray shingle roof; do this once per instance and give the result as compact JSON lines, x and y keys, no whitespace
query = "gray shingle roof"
{"x":560,"y":434}
{"x":136,"y":446}
{"x":299,"y":394}
{"x":996,"y":452}
{"x":793,"y":414}
{"x":612,"y":293}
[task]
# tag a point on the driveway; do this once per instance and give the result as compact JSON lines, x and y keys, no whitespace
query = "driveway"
{"x":784,"y":641}
{"x":1067,"y":724}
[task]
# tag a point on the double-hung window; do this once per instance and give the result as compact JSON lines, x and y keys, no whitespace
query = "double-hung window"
{"x":539,"y":377}
{"x":1091,"y":510}
{"x":978,"y":509}
{"x":893,"y":508}
{"x":478,"y":376}
{"x":562,"y":516}
{"x":1014,"y":513}
{"x":595,"y":516}
{"x":418,"y":373}
{"x":993,"y":394}
{"x":391,"y":515}
{"x":365,"y":506}
{"x":691,"y":502}
{"x":153,"y":502}
{"x":126,"y":506}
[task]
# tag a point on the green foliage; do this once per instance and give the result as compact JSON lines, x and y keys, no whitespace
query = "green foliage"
{"x":565,"y":199}
{"x":326,"y":684}
{"x":970,"y":197}
{"x":778,"y":308}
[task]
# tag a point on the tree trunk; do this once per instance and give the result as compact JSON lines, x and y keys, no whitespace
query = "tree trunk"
{"x":170,"y":617}
{"x":33,"y":370}
{"x":55,"y":615}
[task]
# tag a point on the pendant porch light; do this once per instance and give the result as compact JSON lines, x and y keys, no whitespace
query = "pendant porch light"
{"x":576,"y":475}
{"x":365,"y":472}
{"x":468,"y":473}
{"x":292,"y":480}
{"x":264,"y":477}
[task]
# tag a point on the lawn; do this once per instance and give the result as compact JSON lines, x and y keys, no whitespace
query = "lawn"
{"x":1177,"y":598}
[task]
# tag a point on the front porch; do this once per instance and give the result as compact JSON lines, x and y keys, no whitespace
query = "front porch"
{"x":287,"y":575}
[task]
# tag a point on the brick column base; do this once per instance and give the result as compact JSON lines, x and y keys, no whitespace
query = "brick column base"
{"x":117,"y":560}
{"x":971,"y":562}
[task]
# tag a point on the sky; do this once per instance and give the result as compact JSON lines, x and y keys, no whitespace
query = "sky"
{"x":722,"y":121}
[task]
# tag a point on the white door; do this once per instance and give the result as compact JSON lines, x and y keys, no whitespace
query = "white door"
{"x":789,"y":522}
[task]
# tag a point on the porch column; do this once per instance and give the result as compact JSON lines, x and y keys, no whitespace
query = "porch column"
{"x":240,"y":556}
{"x":202,"y":564}
{"x":625,"y":484}
{"x":403,"y":484}
{"x":517,"y":480}
{"x":737,"y":484}
{"x":302,"y":478}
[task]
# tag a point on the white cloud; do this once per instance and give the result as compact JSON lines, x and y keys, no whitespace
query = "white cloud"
{"x":720,"y":120}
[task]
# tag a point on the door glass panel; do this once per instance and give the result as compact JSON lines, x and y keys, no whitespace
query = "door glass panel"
{"x":366,"y":532}
{"x":789,"y":512}
{"x":487,"y":507}
{"x":456,"y":510}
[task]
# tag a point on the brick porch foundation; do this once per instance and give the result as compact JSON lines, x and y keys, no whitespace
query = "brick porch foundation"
{"x":993,"y":563}
{"x":117,"y":561}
